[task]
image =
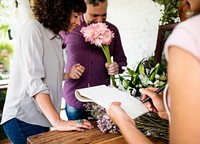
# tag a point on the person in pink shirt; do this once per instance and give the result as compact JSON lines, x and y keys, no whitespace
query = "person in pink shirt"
{"x":181,"y":99}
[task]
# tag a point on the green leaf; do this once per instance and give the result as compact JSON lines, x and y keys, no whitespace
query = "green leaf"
{"x":130,"y":72}
{"x":135,"y":79}
{"x":138,"y":67}
{"x":154,"y":71}
{"x":141,"y":69}
{"x":124,"y":82}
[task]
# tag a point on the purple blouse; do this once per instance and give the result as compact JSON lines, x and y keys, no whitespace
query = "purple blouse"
{"x":92,"y":58}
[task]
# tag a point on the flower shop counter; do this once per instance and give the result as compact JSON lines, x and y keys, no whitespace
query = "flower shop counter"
{"x":93,"y":136}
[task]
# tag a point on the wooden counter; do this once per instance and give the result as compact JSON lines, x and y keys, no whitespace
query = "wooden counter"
{"x":93,"y":136}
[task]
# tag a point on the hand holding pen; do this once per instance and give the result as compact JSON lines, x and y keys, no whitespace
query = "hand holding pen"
{"x":154,"y":102}
{"x":157,"y":92}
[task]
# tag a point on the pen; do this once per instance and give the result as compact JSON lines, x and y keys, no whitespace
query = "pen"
{"x":157,"y":92}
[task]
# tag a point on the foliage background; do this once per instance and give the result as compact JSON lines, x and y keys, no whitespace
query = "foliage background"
{"x":170,"y":13}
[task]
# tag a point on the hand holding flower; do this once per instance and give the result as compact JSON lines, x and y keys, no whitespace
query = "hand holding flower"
{"x":100,"y":35}
{"x":112,"y":68}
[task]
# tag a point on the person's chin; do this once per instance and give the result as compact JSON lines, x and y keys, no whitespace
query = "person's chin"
{"x":71,"y":29}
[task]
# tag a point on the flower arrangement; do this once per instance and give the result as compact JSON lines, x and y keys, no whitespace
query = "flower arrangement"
{"x":145,"y":75}
{"x":100,"y":35}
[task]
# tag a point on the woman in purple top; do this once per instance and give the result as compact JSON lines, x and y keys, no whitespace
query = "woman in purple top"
{"x":90,"y":61}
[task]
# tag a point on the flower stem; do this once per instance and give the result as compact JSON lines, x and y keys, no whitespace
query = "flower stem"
{"x":106,"y":51}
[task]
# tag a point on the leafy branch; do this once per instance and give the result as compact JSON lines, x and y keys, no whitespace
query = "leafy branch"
{"x":170,"y":11}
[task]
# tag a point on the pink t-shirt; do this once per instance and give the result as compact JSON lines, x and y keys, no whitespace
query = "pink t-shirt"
{"x":185,"y":35}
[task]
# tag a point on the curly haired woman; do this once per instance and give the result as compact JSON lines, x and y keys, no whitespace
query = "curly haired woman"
{"x":33,"y":98}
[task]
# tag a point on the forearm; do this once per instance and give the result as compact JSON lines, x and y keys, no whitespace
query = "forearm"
{"x":132,"y":135}
{"x":66,"y":76}
{"x":45,"y":104}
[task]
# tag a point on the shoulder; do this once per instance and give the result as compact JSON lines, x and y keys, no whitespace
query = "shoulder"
{"x":32,"y":24}
{"x":74,"y":36}
{"x":186,"y":36}
{"x":112,"y":26}
{"x":35,"y":29}
{"x":32,"y":27}
{"x":195,"y":20}
{"x":188,"y":30}
{"x":191,"y":25}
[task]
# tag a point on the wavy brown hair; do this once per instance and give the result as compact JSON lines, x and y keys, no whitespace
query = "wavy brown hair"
{"x":55,"y":14}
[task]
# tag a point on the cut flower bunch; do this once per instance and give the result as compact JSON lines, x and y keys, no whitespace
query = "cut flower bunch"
{"x":98,"y":113}
{"x":100,"y":35}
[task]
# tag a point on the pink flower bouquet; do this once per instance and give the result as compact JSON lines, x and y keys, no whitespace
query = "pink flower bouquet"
{"x":100,"y":35}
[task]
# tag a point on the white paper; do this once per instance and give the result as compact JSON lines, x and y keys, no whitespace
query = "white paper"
{"x":104,"y":96}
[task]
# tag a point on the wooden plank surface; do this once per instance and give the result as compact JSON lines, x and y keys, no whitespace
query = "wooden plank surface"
{"x":93,"y":136}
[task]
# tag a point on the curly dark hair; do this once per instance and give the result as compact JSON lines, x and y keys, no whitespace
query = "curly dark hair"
{"x":94,"y":2}
{"x":56,"y":14}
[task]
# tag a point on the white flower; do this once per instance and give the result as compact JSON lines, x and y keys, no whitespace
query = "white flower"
{"x":156,"y":83}
{"x":157,"y":76}
{"x":150,"y":83}
{"x":144,"y":79}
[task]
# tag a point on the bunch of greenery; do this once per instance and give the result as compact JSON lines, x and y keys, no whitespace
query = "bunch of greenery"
{"x":150,"y":124}
{"x":170,"y":11}
{"x":144,"y":75}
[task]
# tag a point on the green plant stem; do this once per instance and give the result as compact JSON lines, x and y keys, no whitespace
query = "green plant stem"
{"x":151,"y":124}
{"x":106,"y":51}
